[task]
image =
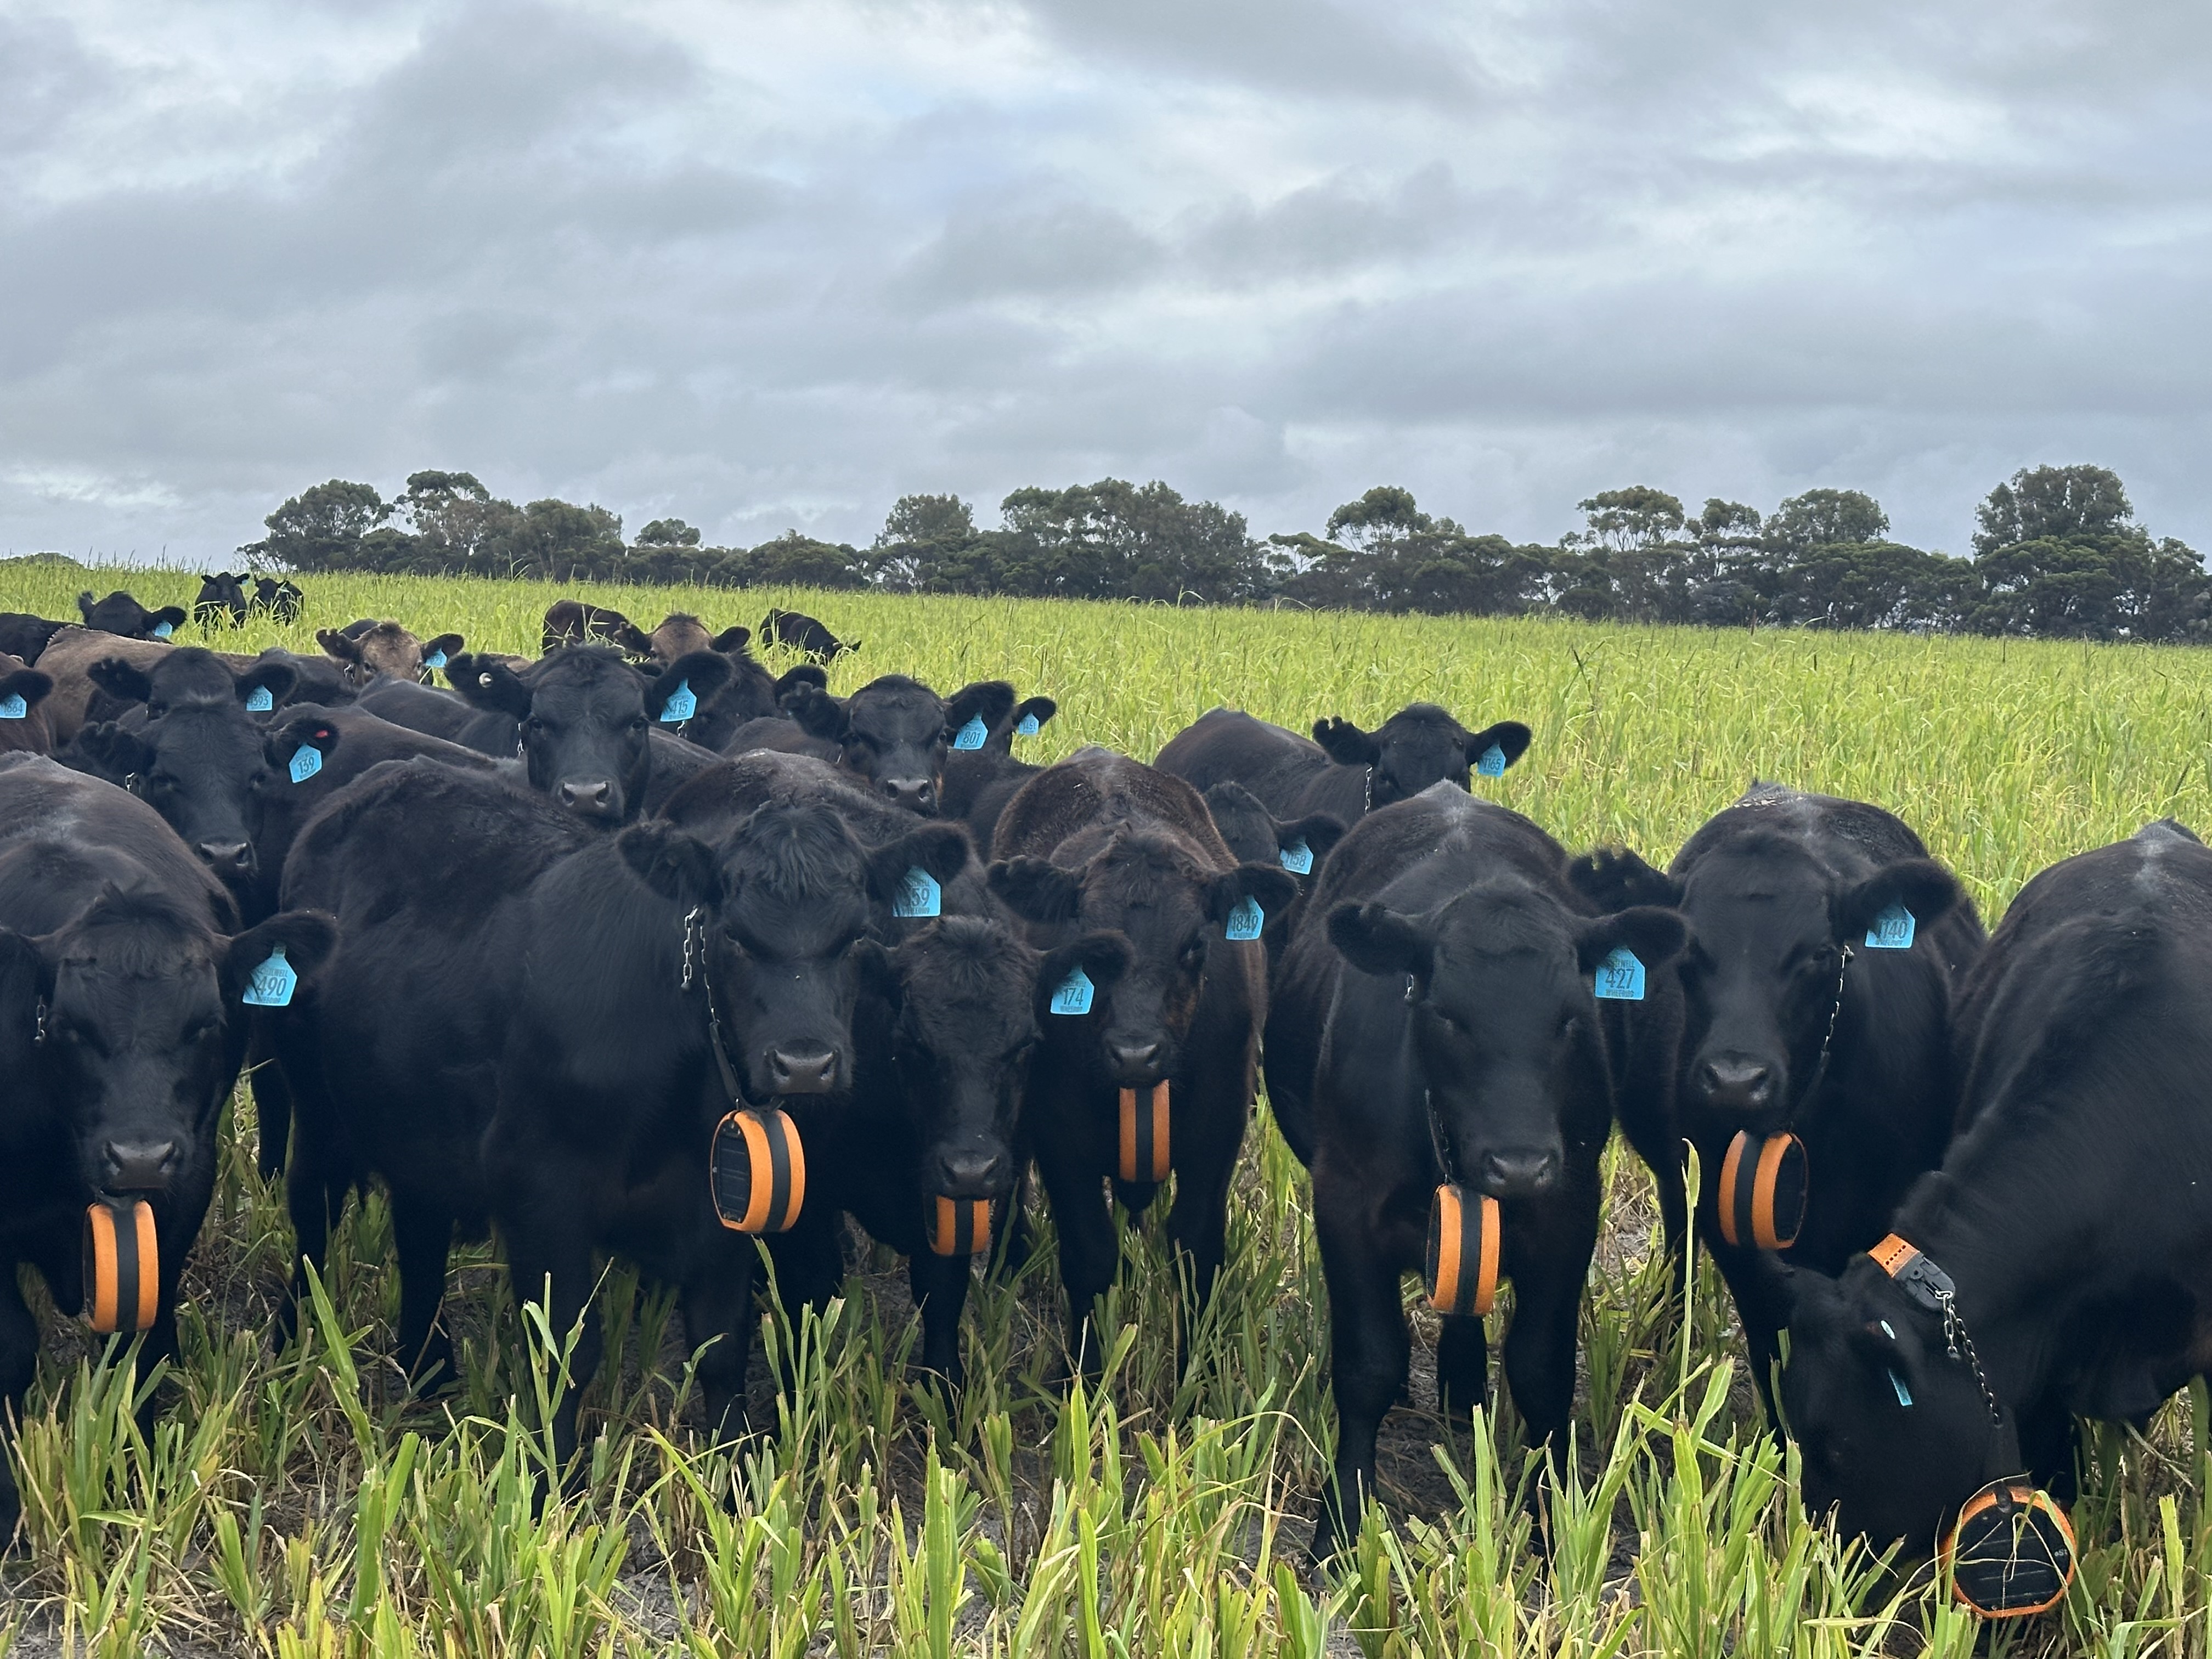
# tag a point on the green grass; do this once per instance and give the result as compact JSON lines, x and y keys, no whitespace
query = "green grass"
{"x":296,"y":1504}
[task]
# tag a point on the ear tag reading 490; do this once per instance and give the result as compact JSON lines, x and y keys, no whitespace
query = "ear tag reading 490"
{"x":1620,"y":977}
{"x":1074,"y":994}
{"x":1297,"y":858}
{"x":1246,"y":920}
{"x":307,"y":761}
{"x":259,"y":701}
{"x":971,"y":735}
{"x":919,"y":895}
{"x":1893,"y":930}
{"x":1027,"y":727}
{"x":1492,"y":763}
{"x":683,"y":703}
{"x":435,"y":659}
{"x":13,"y":707}
{"x":163,"y":630}
{"x":271,"y":984}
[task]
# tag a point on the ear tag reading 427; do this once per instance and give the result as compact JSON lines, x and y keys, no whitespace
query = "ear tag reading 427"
{"x":683,"y":703}
{"x":1492,"y":763}
{"x":1074,"y":994}
{"x":971,"y":735}
{"x":163,"y":630}
{"x":13,"y":707}
{"x":1247,"y":919}
{"x":271,"y":984}
{"x":307,"y":761}
{"x":1620,"y":977}
{"x":1297,"y":858}
{"x":259,"y":701}
{"x":1893,"y":930}
{"x":1027,"y":727}
{"x":919,"y":895}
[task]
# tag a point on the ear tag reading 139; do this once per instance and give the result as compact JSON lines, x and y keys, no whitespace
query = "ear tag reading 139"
{"x":163,"y":630}
{"x":1028,"y":727}
{"x":683,"y":703}
{"x":435,"y":659}
{"x":259,"y":701}
{"x":1620,"y":977}
{"x":13,"y":707}
{"x":1246,"y":920}
{"x":971,"y":735}
{"x":919,"y":895}
{"x":1297,"y":858}
{"x":1074,"y":994}
{"x":307,"y":761}
{"x":1893,"y":930}
{"x":1492,"y":763}
{"x":271,"y":984}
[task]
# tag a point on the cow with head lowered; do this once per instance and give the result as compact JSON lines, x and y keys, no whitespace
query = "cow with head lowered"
{"x":893,"y":735}
{"x":121,"y":614}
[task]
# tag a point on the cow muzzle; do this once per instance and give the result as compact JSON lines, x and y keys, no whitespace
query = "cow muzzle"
{"x":796,"y":1071}
{"x":229,"y":860}
{"x":915,"y":794}
{"x":138,"y":1166}
{"x":591,"y":797}
{"x":1737,"y":1085}
{"x":1518,"y":1171}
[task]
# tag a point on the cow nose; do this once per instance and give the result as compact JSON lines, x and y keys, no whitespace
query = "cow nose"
{"x":915,"y":794}
{"x":974,"y":1173}
{"x":794,"y":1072}
{"x":228,"y":857}
{"x":1736,"y":1082}
{"x":597,"y":797}
{"x":1132,"y":1058}
{"x":1509,"y":1173}
{"x":138,"y":1165}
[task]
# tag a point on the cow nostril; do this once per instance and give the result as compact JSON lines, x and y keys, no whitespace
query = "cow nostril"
{"x":139,"y":1166}
{"x":593,"y":795}
{"x":797,"y":1073}
{"x":1730,"y":1081}
{"x":1134,"y":1056}
{"x":974,"y":1175}
{"x":1519,"y":1172}
{"x":227,"y":855}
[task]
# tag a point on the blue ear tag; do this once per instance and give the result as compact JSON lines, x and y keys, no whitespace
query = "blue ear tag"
{"x":1246,"y":920}
{"x":13,"y":707}
{"x":919,"y":895}
{"x":1027,"y":726}
{"x":435,"y":659}
{"x":971,"y":735}
{"x":683,"y":703}
{"x":163,"y":630}
{"x":1904,"y":1393}
{"x":1620,"y":977}
{"x":271,"y":985}
{"x":1297,"y":858}
{"x":1893,"y":930}
{"x":259,"y":701}
{"x":307,"y":761}
{"x":1074,"y":994}
{"x":1492,"y":763}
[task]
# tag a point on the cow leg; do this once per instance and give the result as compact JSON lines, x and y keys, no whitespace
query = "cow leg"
{"x":1370,"y":1354}
{"x":552,"y":1267}
{"x":1198,"y":1226}
{"x":272,"y":1103}
{"x":19,"y":1364}
{"x":314,"y":1205}
{"x":423,"y":1234}
{"x":718,"y":1318}
{"x":1462,"y":1369}
{"x":941,"y":1289}
{"x":1089,"y":1253}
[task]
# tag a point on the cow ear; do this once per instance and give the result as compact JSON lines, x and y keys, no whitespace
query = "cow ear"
{"x":1267,"y":885}
{"x":989,"y":700}
{"x":702,"y":671}
{"x":452,"y":644}
{"x":807,"y":673}
{"x":1923,"y":886}
{"x":175,"y":615}
{"x":732,"y":640}
{"x":1508,"y":737}
{"x":819,"y":713}
{"x":1376,"y":940}
{"x":1320,"y":831}
{"x":1037,"y":890}
{"x":1613,"y":878}
{"x":490,"y":683}
{"x":343,"y":647}
{"x":28,"y":683}
{"x":279,"y":678}
{"x":119,"y":679}
{"x":942,"y":850}
{"x":629,"y":637}
{"x":1040,"y":709}
{"x":1652,"y":935}
{"x":303,"y":731}
{"x":308,"y":938}
{"x":1346,"y":743}
{"x":1102,"y":956}
{"x":112,"y":753}
{"x":680,"y":867}
{"x":84,"y":604}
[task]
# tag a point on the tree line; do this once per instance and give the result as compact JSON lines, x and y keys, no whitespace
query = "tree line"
{"x":2057,"y":554}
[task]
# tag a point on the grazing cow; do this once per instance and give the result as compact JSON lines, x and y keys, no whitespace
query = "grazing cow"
{"x":801,"y":632}
{"x":1103,"y":844}
{"x":2055,"y":1266}
{"x":24,"y":727}
{"x":571,"y":621}
{"x":1434,"y":1022}
{"x":1787,"y":1016}
{"x":980,"y":779}
{"x":119,"y":1038}
{"x":893,"y":733}
{"x":221,"y":602}
{"x":369,"y":649}
{"x":1345,"y":772}
{"x":278,"y":598}
{"x":120,"y":613}
{"x":24,"y":635}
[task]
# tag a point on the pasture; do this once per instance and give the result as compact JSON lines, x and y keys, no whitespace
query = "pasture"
{"x":299,"y":1503}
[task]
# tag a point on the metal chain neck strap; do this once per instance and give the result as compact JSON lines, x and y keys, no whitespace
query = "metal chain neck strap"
{"x":1919,"y":1278}
{"x":694,"y":971}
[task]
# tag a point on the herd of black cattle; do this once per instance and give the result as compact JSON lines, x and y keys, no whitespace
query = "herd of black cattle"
{"x":635,"y":949}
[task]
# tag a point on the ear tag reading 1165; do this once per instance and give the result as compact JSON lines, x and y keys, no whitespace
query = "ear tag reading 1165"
{"x":1492,"y":763}
{"x":435,"y":659}
{"x":1246,"y":920}
{"x":259,"y":701}
{"x":1893,"y":930}
{"x":971,"y":735}
{"x":1074,"y":994}
{"x":13,"y":707}
{"x":307,"y":761}
{"x":1297,"y":858}
{"x":1620,"y":977}
{"x":1027,"y":727}
{"x":163,"y":630}
{"x":919,"y":895}
{"x":271,"y":984}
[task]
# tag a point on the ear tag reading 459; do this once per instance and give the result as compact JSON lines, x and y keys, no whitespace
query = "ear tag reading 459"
{"x":13,"y":707}
{"x":163,"y":630}
{"x":971,"y":735}
{"x":1492,"y":763}
{"x":259,"y":701}
{"x":271,"y":984}
{"x":1297,"y":858}
{"x":1074,"y":994}
{"x":683,"y":703}
{"x":1620,"y":977}
{"x":1027,"y":727}
{"x":919,"y":895}
{"x":435,"y":659}
{"x":307,"y":761}
{"x":1246,"y":920}
{"x":1893,"y":930}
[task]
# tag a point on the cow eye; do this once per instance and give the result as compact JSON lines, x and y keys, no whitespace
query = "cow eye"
{"x":1193,"y":954}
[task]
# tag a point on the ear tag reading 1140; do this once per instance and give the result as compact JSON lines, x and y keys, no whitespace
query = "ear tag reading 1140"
{"x":307,"y":761}
{"x":1492,"y":763}
{"x":1620,"y":977}
{"x":1027,"y":727}
{"x":1297,"y":858}
{"x":259,"y":701}
{"x":971,"y":735}
{"x":919,"y":895}
{"x":271,"y":984}
{"x":163,"y":630}
{"x":13,"y":707}
{"x":1247,"y":919}
{"x":1893,"y":930}
{"x":1074,"y":994}
{"x":435,"y":659}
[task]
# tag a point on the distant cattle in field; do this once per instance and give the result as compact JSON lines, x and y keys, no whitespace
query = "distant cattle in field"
{"x":221,"y":602}
{"x":24,"y":636}
{"x":369,"y":649}
{"x":278,"y":597}
{"x":571,"y":621}
{"x":894,"y":733}
{"x":798,"y":631}
{"x":24,"y":727}
{"x":121,"y":614}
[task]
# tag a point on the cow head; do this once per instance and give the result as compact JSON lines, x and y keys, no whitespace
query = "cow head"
{"x":277,"y":599}
{"x":1417,"y":746}
{"x":679,"y":634}
{"x":119,"y":613}
{"x":385,"y":648}
{"x":1256,"y":836}
{"x":28,"y":731}
{"x":1505,"y":1021}
{"x":220,"y":596}
{"x":893,"y":733}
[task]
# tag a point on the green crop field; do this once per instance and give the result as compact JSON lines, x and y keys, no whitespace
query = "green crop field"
{"x":298,"y":1502}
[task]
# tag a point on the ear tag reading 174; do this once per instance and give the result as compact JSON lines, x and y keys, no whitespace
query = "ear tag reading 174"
{"x":163,"y":630}
{"x":1246,"y":920}
{"x":1297,"y":858}
{"x":259,"y":701}
{"x":1027,"y":727}
{"x":1492,"y":763}
{"x":1893,"y":930}
{"x":971,"y":735}
{"x":271,"y":984}
{"x":919,"y":895}
{"x":1074,"y":994}
{"x":683,"y":703}
{"x":307,"y":761}
{"x":13,"y":707}
{"x":1620,"y":977}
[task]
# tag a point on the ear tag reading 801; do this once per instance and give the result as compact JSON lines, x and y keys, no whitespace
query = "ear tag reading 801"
{"x":1027,"y":727}
{"x":259,"y":701}
{"x":1893,"y":930}
{"x":271,"y":984}
{"x":435,"y":659}
{"x":163,"y":630}
{"x":971,"y":735}
{"x":1492,"y":763}
{"x":683,"y":703}
{"x":1246,"y":920}
{"x":1297,"y":858}
{"x":307,"y":761}
{"x":1074,"y":994}
{"x":1620,"y":977}
{"x":919,"y":895}
{"x":13,"y":707}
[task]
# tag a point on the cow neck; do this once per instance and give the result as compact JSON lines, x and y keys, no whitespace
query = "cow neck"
{"x":1820,"y":1073}
{"x":695,"y":970}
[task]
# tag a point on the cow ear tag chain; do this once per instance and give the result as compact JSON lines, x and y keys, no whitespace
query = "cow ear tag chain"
{"x":755,"y":1164}
{"x":1765,"y":1180}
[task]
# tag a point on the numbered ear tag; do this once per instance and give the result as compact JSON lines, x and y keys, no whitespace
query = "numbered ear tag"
{"x":1492,"y":763}
{"x":919,"y":895}
{"x":971,"y":735}
{"x":1074,"y":994}
{"x":1297,"y":858}
{"x":1893,"y":930}
{"x":163,"y":630}
{"x":1027,"y":726}
{"x":435,"y":659}
{"x":307,"y":761}
{"x":271,"y":984}
{"x":1904,"y":1393}
{"x":1620,"y":977}
{"x":13,"y":707}
{"x":259,"y":701}
{"x":683,"y":703}
{"x":1246,"y":920}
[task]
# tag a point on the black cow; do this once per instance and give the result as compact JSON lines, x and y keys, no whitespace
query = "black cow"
{"x":24,"y":727}
{"x":1788,"y":1019}
{"x":572,"y":621}
{"x":220,"y":601}
{"x":278,"y":598}
{"x":893,"y":733}
{"x":119,"y":1039}
{"x":1254,"y":835}
{"x":801,"y":632}
{"x":24,"y":635}
{"x":120,"y":613}
{"x":1434,"y":1020}
{"x":979,"y":779}
{"x":1103,"y":844}
{"x":2070,"y":1216}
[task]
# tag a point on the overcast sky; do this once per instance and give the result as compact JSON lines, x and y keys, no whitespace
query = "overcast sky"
{"x":767,"y":265}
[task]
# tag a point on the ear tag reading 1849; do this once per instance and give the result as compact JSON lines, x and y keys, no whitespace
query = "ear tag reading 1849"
{"x":307,"y":761}
{"x":1620,"y":977}
{"x":683,"y":703}
{"x":1893,"y":930}
{"x":919,"y":895}
{"x":1492,"y":763}
{"x":163,"y":630}
{"x":271,"y":984}
{"x":435,"y":659}
{"x":1074,"y":994}
{"x":13,"y":707}
{"x":1027,"y":727}
{"x":1297,"y":858}
{"x":259,"y":701}
{"x":971,"y":735}
{"x":1246,"y":920}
